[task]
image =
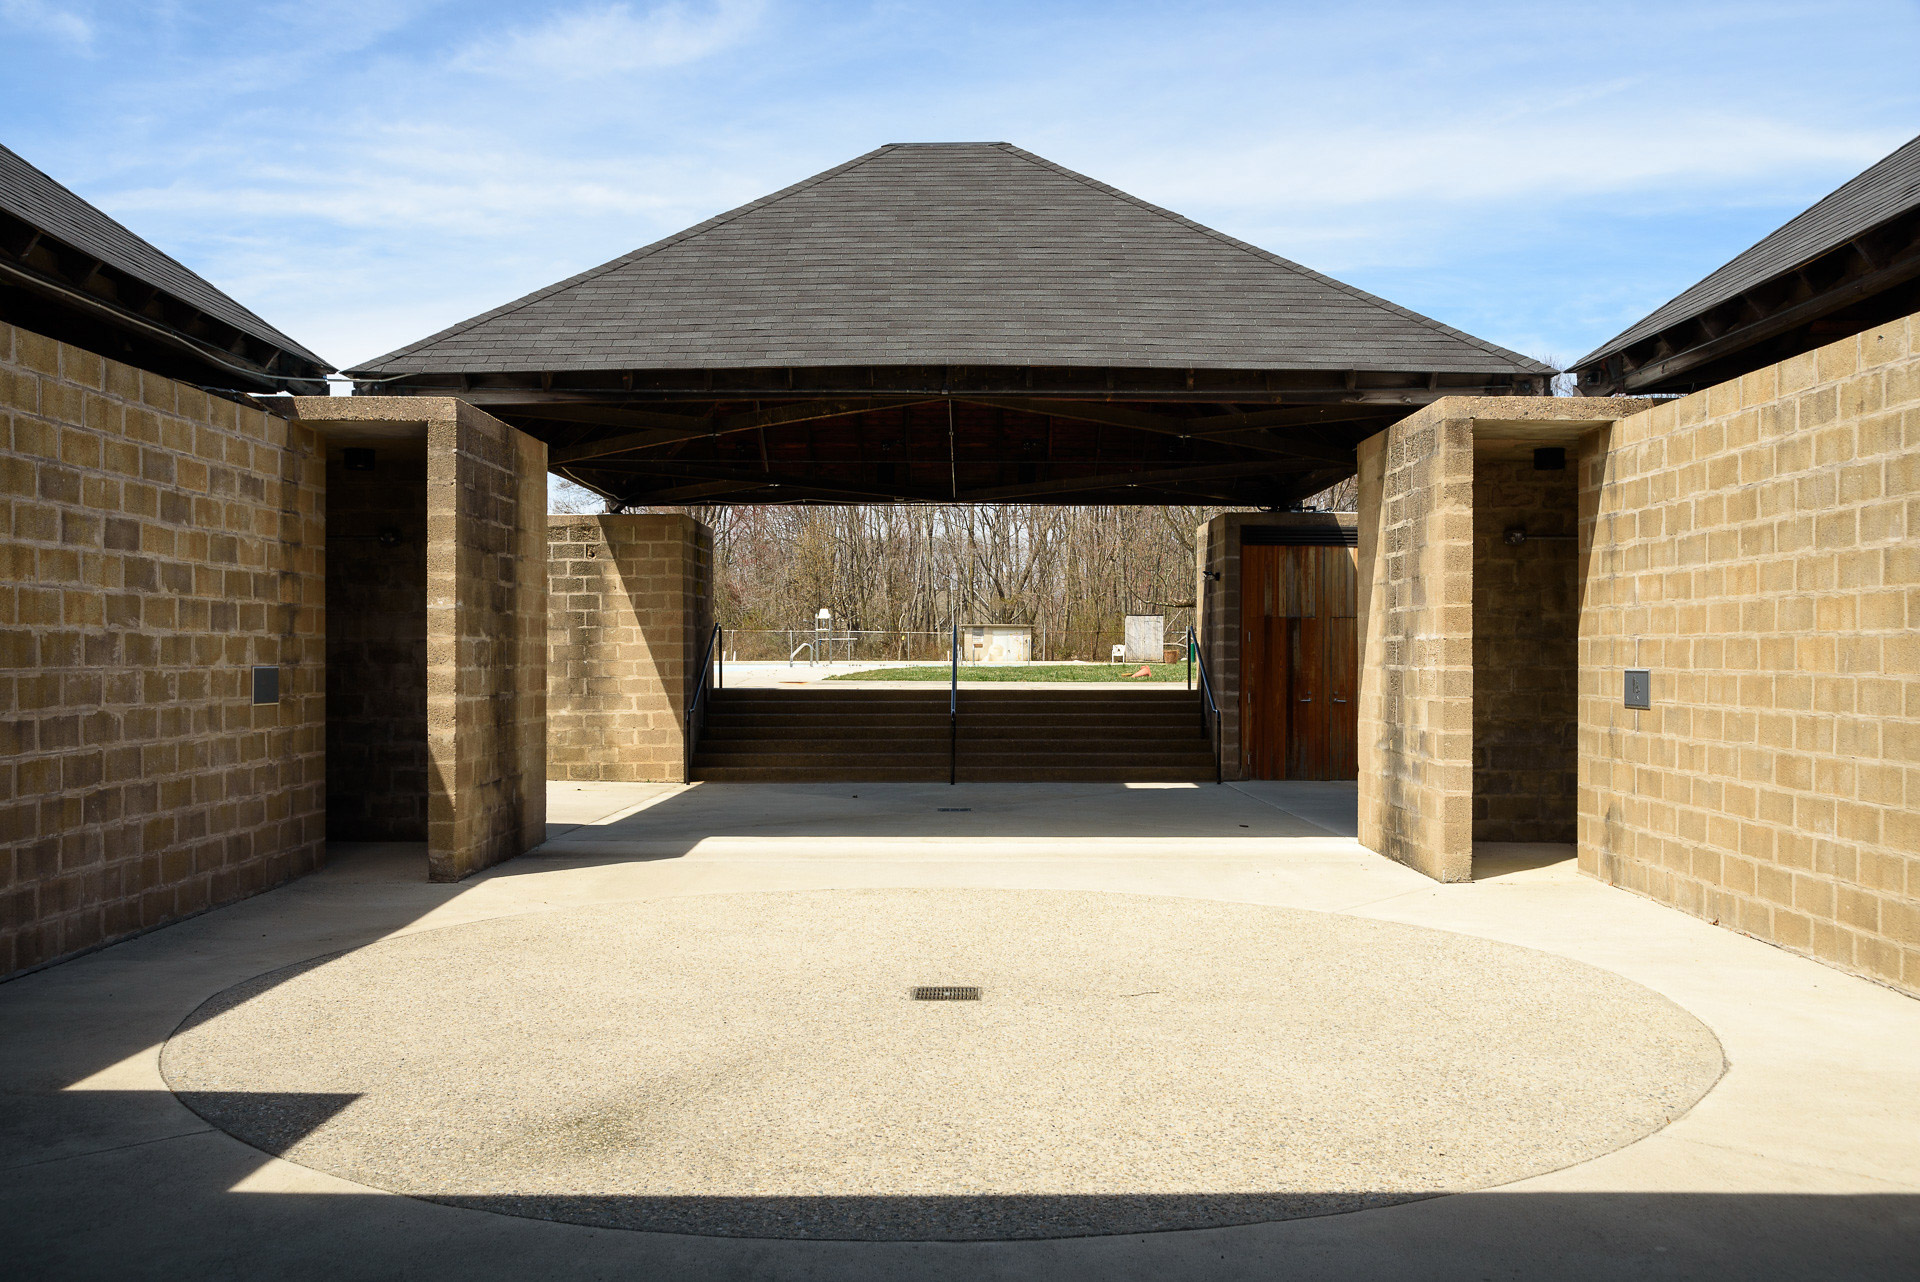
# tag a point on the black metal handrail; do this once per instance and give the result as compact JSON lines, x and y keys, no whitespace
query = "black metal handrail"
{"x":712,"y":669}
{"x":953,"y":712}
{"x":1209,"y":710}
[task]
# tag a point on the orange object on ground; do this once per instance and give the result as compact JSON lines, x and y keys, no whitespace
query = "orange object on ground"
{"x":1145,"y":671}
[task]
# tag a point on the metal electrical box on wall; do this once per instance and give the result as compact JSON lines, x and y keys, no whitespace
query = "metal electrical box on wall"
{"x":1639,"y":688}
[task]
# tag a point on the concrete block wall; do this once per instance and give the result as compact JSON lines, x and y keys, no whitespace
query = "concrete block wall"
{"x":629,"y":617}
{"x":1526,"y":620}
{"x":159,"y":543}
{"x":485,"y":586}
{"x":1757,"y":547}
{"x":1416,"y":641}
{"x":486,"y":640}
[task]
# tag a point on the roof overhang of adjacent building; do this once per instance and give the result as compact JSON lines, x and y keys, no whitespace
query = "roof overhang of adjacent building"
{"x":70,"y":272}
{"x":1848,"y":263}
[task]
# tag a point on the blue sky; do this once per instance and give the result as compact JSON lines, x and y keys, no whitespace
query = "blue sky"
{"x":364,"y":172}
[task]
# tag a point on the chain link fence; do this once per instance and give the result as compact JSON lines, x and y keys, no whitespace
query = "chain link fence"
{"x":860,"y":645}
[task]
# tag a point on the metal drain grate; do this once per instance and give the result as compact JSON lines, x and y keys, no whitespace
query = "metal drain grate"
{"x":945,"y":993}
{"x":956,"y":810}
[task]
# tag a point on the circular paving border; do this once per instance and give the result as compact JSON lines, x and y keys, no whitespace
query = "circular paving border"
{"x":754,"y":1065}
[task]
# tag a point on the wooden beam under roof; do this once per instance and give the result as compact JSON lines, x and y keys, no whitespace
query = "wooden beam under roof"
{"x":787,"y":482}
{"x":1127,"y":480}
{"x":1294,"y":445}
{"x":595,"y":415}
{"x":724,"y":425}
{"x":691,"y":493}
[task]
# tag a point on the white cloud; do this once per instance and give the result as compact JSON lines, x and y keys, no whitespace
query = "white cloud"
{"x":1484,"y":162}
{"x":587,"y":43}
{"x":49,"y":20}
{"x":424,"y":160}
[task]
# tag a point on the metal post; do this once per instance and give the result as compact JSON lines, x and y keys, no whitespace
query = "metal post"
{"x":953,"y":711}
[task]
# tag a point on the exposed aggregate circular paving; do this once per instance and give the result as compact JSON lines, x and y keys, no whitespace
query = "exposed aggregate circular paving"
{"x":752,"y":1065}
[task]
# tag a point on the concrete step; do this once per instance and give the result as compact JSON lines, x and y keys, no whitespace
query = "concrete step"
{"x":940,"y":742}
{"x":1030,"y":712}
{"x":968,"y":689}
{"x":818,"y":774}
{"x":991,"y":727}
{"x":1007,"y":761}
{"x":1005,"y":736}
{"x":967,"y":774}
{"x":968,"y":743}
{"x":763,"y":701}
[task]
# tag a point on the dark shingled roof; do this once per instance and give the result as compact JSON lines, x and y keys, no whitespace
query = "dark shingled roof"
{"x":950,"y":254}
{"x":1888,"y":189}
{"x":39,"y":201}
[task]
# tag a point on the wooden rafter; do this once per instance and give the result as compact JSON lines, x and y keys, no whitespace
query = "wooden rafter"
{"x":1207,"y":428}
{"x":1127,"y":480}
{"x":724,"y":425}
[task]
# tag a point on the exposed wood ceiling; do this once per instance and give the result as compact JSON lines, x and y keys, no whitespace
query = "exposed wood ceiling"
{"x":948,"y":449}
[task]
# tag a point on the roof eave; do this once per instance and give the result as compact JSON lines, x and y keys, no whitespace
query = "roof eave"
{"x":1179,"y":382}
{"x":1882,"y":258}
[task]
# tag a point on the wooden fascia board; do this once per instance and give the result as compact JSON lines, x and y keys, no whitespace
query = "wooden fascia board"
{"x":612,"y":387}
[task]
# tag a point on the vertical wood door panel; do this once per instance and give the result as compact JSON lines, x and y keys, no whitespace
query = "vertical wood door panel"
{"x":1298,"y":663}
{"x":1307,"y":710}
{"x":1343,"y":711}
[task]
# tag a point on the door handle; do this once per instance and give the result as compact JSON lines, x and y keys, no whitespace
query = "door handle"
{"x":1306,"y":698}
{"x":1338,"y":699}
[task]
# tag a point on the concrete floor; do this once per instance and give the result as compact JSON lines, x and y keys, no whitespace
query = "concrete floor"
{"x":1802,"y":1161}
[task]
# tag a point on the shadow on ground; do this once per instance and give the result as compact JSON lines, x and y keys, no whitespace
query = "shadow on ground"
{"x":674,"y":820}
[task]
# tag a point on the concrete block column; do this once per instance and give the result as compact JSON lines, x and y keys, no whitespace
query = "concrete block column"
{"x":486,"y":609}
{"x":629,"y":616}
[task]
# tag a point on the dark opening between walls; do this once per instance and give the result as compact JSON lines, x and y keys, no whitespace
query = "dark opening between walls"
{"x":377,"y":646}
{"x":1525,"y":649}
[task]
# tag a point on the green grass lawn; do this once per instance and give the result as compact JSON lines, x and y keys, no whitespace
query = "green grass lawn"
{"x":1021,"y":672}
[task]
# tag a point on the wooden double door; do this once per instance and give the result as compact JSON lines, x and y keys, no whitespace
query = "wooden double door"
{"x":1299,"y":663}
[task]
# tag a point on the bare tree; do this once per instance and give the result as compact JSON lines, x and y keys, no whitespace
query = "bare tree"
{"x":564,"y":498}
{"x":1069,"y":573}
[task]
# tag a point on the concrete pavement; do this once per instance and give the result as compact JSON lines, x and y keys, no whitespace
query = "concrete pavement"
{"x":1802,"y":1161}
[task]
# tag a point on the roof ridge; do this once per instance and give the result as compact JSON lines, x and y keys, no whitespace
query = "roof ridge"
{"x":1287,"y":263}
{"x":632,"y":256}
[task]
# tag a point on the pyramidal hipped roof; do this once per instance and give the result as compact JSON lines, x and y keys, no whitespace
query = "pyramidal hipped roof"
{"x":949,"y":254}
